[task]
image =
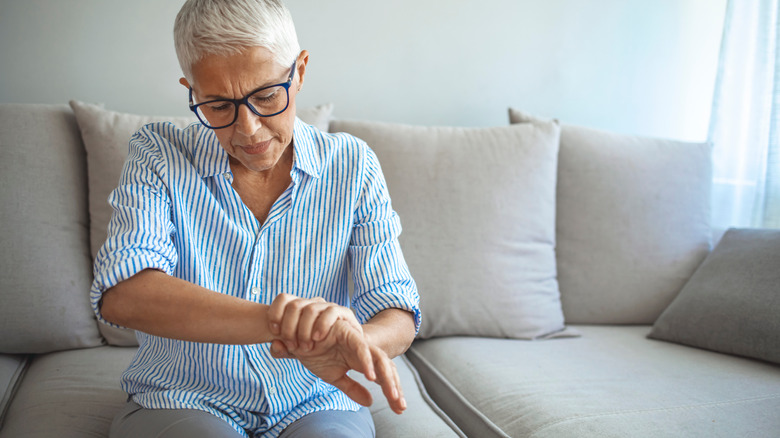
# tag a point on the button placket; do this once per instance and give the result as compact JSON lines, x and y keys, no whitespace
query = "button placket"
{"x":256,"y":269}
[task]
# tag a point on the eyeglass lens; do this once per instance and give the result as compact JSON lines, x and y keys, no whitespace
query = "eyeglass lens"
{"x":266,"y":102}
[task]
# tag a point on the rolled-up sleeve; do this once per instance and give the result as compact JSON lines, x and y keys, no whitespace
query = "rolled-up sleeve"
{"x":381,"y":276}
{"x":140,"y":231}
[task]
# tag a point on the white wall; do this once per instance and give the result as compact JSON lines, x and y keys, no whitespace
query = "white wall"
{"x":635,"y":66}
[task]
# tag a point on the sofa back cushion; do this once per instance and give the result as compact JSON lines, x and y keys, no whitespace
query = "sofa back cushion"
{"x":106,"y":137}
{"x":477,"y":207}
{"x":46,"y":268}
{"x":633,"y":222}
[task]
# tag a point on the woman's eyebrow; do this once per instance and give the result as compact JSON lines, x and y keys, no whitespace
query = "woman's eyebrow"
{"x":267,"y":84}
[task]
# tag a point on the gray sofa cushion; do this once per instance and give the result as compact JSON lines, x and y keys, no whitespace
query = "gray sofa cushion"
{"x":74,"y":394}
{"x":478,"y":212}
{"x":610,"y":382}
{"x":12,"y":368}
{"x":69,"y":394}
{"x":46,"y":269}
{"x":422,"y":416}
{"x":633,"y":222}
{"x":732,"y":302}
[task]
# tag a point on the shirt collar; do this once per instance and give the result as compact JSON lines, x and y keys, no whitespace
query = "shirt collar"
{"x":210,"y":158}
{"x":307,"y":158}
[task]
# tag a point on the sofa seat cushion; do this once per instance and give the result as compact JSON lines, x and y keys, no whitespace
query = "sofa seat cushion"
{"x":612,"y":381}
{"x":71,"y":393}
{"x":77,"y":393}
{"x":422,"y":416}
{"x":12,"y":368}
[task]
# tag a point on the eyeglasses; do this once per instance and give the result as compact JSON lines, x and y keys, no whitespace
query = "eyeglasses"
{"x":264,"y":102}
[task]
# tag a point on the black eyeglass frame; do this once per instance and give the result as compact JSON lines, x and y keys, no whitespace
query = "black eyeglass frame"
{"x":245,"y":101}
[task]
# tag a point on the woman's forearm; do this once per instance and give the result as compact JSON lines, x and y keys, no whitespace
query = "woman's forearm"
{"x":161,"y":305}
{"x":392,"y":330}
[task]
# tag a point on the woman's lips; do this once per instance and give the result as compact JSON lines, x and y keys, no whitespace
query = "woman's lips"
{"x":257,"y":148}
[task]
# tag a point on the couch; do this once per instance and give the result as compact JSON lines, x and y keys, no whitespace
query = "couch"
{"x":567,"y":275}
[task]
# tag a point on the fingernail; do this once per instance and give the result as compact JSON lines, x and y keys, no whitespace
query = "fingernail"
{"x":317,"y":336}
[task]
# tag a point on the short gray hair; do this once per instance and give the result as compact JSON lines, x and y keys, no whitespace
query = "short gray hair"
{"x":226,"y":27}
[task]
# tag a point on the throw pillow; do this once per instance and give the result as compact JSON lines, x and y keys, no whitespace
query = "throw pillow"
{"x":106,"y":135}
{"x":633,"y":222}
{"x":477,"y":207}
{"x":732,"y":302}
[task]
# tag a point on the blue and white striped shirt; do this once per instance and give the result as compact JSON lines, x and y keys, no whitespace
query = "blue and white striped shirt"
{"x":175,"y":210}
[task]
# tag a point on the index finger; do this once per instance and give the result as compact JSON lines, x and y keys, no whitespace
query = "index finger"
{"x":276,"y":312}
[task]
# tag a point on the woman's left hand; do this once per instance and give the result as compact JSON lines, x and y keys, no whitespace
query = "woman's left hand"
{"x":329,"y":341}
{"x":300,"y":322}
{"x":344,"y":349}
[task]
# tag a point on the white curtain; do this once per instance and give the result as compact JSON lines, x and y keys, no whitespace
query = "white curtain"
{"x":745,"y":123}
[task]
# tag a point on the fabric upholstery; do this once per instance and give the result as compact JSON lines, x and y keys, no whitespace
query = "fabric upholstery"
{"x":732,"y":302}
{"x":12,"y":368}
{"x":77,"y":393}
{"x":422,"y":416}
{"x":610,"y":382}
{"x":633,"y":222}
{"x":106,"y":137}
{"x":46,"y":269}
{"x":477,"y":206}
{"x":69,"y":394}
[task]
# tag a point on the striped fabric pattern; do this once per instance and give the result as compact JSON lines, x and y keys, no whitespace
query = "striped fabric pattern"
{"x":175,"y":210}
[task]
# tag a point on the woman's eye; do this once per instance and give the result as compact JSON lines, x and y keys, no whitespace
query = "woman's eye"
{"x":221,"y":107}
{"x":263,"y":97}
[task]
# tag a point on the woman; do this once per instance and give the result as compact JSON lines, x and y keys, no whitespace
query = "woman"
{"x":230,"y":246}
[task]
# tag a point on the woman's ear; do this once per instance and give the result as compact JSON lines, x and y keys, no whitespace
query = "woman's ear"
{"x":184,"y":82}
{"x":303,"y":59}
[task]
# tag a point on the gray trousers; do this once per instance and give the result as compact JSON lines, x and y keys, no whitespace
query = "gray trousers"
{"x":134,"y":421}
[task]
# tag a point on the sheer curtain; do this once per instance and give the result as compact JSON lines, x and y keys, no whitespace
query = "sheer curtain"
{"x":745,"y":123}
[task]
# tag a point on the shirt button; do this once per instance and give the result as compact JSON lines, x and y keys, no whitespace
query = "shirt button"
{"x":255,"y":291}
{"x":272,"y":391}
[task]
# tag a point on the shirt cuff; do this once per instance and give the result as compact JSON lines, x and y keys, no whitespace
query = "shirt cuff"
{"x":392,"y":296}
{"x":109,"y":274}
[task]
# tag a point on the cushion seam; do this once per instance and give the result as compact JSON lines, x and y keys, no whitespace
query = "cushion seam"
{"x":11,"y":391}
{"x":641,"y":411}
{"x":457,"y":394}
{"x":427,"y":397}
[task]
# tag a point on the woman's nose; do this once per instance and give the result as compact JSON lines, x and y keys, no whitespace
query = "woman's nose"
{"x":247,"y":122}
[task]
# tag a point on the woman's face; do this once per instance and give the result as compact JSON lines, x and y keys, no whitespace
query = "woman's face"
{"x":254,"y":142}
